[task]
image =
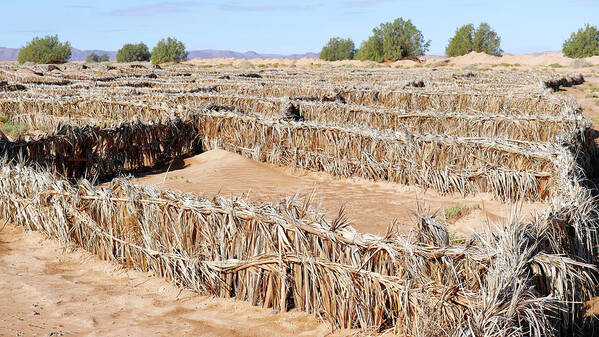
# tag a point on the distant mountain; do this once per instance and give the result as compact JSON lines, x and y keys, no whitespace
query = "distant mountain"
{"x":10,"y":54}
{"x":80,"y":55}
{"x":210,"y":53}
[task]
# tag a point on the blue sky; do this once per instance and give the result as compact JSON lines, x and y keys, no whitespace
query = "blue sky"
{"x":286,"y":27}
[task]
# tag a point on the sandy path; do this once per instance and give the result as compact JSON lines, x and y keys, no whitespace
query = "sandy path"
{"x":46,"y":290}
{"x":587,"y":95}
{"x":371,"y":206}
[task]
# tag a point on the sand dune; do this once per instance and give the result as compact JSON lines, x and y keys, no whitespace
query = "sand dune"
{"x":521,"y":61}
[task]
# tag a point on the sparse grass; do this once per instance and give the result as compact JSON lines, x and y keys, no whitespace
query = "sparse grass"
{"x":471,"y":67}
{"x":580,"y":63}
{"x":555,"y":65}
{"x":456,"y":239}
{"x":443,"y":63}
{"x":45,"y":128}
{"x":458,"y":211}
{"x":245,"y":64}
{"x":261,"y":65}
{"x":13,"y":129}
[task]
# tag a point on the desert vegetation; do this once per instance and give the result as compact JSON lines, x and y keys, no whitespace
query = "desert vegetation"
{"x":467,"y":39}
{"x":45,"y":50}
{"x":392,"y":41}
{"x":338,"y":49}
{"x":583,"y":43}
{"x":453,"y":131}
{"x":95,"y":58}
{"x":133,"y":53}
{"x":169,"y":50}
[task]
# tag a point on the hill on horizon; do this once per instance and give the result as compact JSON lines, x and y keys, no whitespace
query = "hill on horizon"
{"x":10,"y":54}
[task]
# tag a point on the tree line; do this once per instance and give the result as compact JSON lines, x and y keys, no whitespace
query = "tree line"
{"x":401,"y":39}
{"x":49,"y":50}
{"x":390,"y":41}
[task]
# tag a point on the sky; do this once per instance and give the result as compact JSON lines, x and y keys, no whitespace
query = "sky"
{"x":286,"y":27}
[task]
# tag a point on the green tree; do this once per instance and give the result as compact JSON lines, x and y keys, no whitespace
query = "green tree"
{"x":486,"y":40}
{"x":47,"y":50}
{"x":95,"y":58}
{"x":338,"y":49}
{"x":461,"y":42}
{"x":583,"y":43}
{"x":133,"y":53}
{"x":393,"y":41}
{"x":467,"y":39}
{"x":169,"y":50}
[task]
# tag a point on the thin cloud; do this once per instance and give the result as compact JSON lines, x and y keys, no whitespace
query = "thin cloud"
{"x":236,"y":7}
{"x":155,"y":9}
{"x":365,"y":3}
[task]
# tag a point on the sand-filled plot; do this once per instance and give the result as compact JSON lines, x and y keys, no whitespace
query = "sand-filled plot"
{"x":371,"y":207}
{"x":201,"y":176}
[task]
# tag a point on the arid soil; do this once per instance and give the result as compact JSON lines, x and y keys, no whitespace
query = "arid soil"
{"x":549,"y":61}
{"x":49,"y":291}
{"x":587,"y":95}
{"x":372,"y":206}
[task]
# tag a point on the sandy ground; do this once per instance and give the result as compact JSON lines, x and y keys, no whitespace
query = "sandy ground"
{"x":49,"y":291}
{"x":371,"y":206}
{"x":548,"y":61}
{"x":587,"y":95}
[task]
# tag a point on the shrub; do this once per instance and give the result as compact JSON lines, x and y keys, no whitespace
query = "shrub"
{"x":45,"y":50}
{"x":392,"y":41}
{"x":133,"y":53}
{"x":338,"y":49}
{"x":580,"y":63}
{"x":461,"y":42}
{"x":245,"y":64}
{"x":467,"y":39}
{"x":169,"y":50}
{"x":583,"y":43}
{"x":458,"y":211}
{"x":13,"y":129}
{"x":95,"y":58}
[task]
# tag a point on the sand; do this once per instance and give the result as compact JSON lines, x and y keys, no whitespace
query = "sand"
{"x":371,"y":206}
{"x":49,"y":291}
{"x":538,"y":61}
